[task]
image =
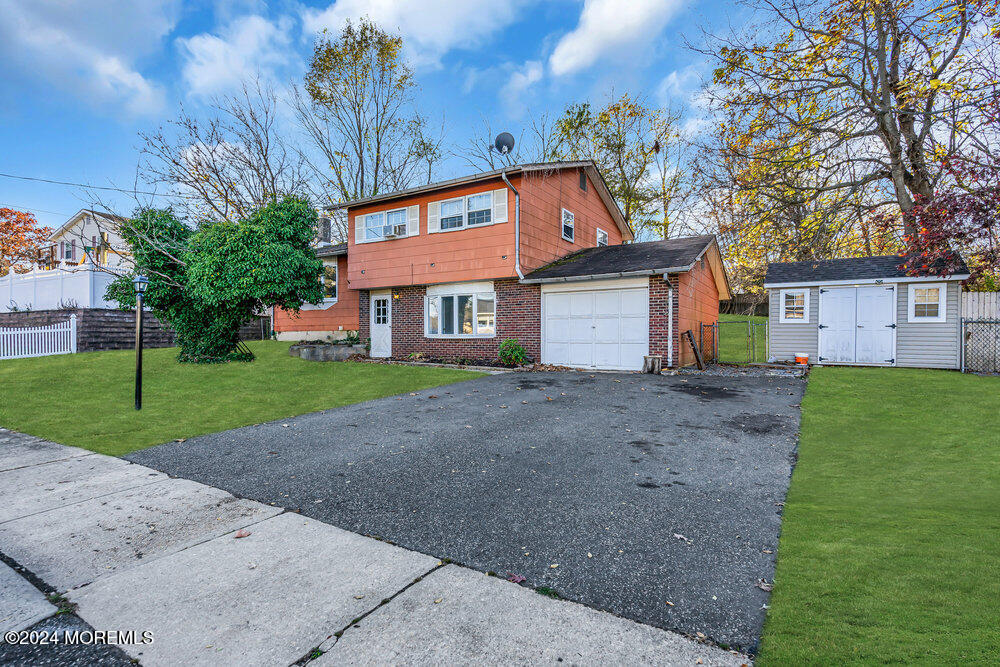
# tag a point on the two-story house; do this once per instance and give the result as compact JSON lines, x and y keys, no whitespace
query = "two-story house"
{"x":532,"y":252}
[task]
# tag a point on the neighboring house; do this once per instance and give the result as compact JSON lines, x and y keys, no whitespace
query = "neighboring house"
{"x":335,"y":316}
{"x":531,"y":252}
{"x":87,"y":237}
{"x":864,"y":311}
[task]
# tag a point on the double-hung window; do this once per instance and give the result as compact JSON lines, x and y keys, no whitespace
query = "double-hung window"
{"x":467,"y":211}
{"x":385,"y":224}
{"x":461,"y":315}
{"x":926,"y":302}
{"x":794,"y":305}
{"x":568,"y":225}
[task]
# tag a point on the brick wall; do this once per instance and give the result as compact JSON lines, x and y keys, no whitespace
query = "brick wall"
{"x":518,"y":316}
{"x":110,"y":329}
{"x":659,"y":317}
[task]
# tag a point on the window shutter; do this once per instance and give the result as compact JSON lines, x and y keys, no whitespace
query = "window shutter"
{"x":72,"y":250}
{"x":434,"y":217}
{"x":359,"y":228}
{"x":500,"y":205}
{"x":413,"y":220}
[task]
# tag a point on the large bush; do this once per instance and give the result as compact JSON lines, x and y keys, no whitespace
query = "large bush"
{"x":206,"y":282}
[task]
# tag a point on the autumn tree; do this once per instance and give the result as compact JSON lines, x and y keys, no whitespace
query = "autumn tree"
{"x":357,"y":109}
{"x":21,"y":239}
{"x":866,"y":94}
{"x":229,"y":162}
{"x":632,"y":143}
{"x":538,"y":141}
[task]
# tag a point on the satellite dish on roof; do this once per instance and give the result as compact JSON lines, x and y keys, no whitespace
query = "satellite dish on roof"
{"x":504,"y":143}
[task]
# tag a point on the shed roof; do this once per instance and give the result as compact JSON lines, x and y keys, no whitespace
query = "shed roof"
{"x":847,"y":269}
{"x":332,"y":250}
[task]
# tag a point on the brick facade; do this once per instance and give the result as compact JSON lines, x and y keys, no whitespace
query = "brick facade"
{"x":518,"y":315}
{"x":659,"y":317}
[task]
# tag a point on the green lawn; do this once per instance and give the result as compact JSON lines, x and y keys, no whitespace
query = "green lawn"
{"x":86,"y":399}
{"x":890,"y":542}
{"x":733,"y":339}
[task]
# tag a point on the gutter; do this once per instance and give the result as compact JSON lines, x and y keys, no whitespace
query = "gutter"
{"x":605,"y":276}
{"x":517,"y":225}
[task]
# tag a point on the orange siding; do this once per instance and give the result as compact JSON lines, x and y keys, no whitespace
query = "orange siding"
{"x":697,"y":303}
{"x":467,"y":254}
{"x":543,"y":197}
{"x":341,"y":315}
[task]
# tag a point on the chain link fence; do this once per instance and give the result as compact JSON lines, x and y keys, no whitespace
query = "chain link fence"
{"x":736,"y":341}
{"x":981,"y":346}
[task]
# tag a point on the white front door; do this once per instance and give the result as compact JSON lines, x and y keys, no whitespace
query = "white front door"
{"x":875,"y":324}
{"x":857,"y":325}
{"x":381,"y":325}
{"x":606,"y":329}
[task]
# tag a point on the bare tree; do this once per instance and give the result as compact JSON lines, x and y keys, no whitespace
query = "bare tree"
{"x":231,"y":163}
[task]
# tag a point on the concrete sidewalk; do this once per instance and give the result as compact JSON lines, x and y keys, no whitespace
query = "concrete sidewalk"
{"x":221,"y":580}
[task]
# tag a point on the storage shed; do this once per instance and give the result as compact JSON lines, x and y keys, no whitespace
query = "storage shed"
{"x":864,"y":311}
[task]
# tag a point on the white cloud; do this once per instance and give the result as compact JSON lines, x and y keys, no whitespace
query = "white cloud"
{"x":89,"y":48}
{"x":430,"y":28}
{"x":681,"y":85}
{"x":610,"y":28}
{"x":249,"y":45}
{"x":513,"y":92}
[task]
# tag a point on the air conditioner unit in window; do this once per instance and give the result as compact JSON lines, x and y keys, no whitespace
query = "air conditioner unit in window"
{"x":390,"y":232}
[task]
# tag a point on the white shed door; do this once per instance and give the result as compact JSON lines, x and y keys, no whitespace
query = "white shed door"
{"x":606,"y":329}
{"x":856,"y":325}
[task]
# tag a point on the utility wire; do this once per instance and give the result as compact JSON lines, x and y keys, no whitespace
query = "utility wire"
{"x":91,"y":187}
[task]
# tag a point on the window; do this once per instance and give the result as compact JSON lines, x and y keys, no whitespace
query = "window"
{"x":383,"y":224}
{"x":583,"y":180}
{"x":926,"y":302}
{"x":567,"y":225}
{"x":381,"y":310}
{"x":794,"y":305}
{"x":467,"y":211}
{"x":602,"y":237}
{"x":329,"y":282}
{"x":461,"y":315}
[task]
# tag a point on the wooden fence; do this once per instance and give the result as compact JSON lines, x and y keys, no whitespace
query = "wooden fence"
{"x":981,"y":305}
{"x":57,"y":338}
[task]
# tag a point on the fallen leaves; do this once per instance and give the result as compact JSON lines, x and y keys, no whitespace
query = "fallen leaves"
{"x":516,"y":578}
{"x":678,"y":536}
{"x":765,"y":586}
{"x":241,"y":533}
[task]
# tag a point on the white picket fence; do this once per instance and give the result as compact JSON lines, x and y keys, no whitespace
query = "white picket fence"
{"x":981,"y":305}
{"x":59,"y":338}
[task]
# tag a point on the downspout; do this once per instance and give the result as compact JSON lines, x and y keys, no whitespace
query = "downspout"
{"x":670,"y":324}
{"x":517,"y":225}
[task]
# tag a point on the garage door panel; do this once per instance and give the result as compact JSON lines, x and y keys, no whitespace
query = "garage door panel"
{"x":596,"y":328}
{"x":634,"y":302}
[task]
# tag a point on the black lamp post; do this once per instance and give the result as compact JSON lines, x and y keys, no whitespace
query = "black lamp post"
{"x":140,"y":282}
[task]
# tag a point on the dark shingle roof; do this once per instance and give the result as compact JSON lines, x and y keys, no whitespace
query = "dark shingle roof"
{"x":852,"y":268}
{"x":653,"y":256}
{"x":332,"y":250}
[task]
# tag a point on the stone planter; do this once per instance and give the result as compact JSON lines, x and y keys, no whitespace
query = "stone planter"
{"x":325,"y":352}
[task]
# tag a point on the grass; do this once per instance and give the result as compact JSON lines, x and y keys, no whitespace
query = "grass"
{"x":733,"y":339}
{"x":891,"y":530}
{"x":86,"y":399}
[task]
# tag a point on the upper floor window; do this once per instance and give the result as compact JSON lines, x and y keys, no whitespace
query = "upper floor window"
{"x":329,"y":282}
{"x":794,"y":305}
{"x":583,"y":180}
{"x":926,"y":302}
{"x":385,"y":224}
{"x":568,"y":224}
{"x":602,"y":237}
{"x":467,"y":211}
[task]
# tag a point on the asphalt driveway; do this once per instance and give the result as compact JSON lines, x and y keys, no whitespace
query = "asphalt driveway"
{"x":655,"y":498}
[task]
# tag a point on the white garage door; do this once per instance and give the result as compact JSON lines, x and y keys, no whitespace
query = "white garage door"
{"x":600,"y":328}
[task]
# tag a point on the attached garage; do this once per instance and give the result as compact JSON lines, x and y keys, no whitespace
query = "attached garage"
{"x":863,"y":311}
{"x":608,"y":307}
{"x":603,"y":324}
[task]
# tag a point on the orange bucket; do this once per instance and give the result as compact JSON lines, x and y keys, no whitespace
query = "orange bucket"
{"x":802,"y":358}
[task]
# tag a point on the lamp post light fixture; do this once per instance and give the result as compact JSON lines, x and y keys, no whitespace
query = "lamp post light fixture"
{"x":140,"y":282}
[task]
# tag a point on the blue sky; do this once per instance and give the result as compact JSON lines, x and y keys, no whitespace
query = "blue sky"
{"x":81,"y":79}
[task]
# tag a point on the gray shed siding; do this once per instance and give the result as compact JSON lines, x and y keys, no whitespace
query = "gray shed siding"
{"x":918,"y":344}
{"x":929,"y":344}
{"x":788,"y":339}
